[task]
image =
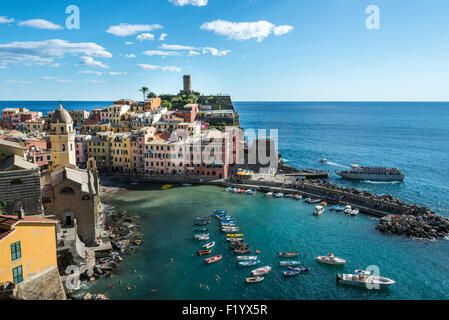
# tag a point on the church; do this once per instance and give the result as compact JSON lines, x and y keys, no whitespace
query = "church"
{"x":69,"y":193}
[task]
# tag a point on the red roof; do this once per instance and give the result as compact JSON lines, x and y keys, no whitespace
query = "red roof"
{"x":10,"y":221}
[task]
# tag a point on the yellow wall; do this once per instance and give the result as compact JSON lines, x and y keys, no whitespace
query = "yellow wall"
{"x":38,"y":246}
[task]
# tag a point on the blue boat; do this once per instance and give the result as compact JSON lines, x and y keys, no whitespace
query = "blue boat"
{"x":248,"y":263}
{"x":299,"y":269}
{"x":291,"y":273}
{"x":219,"y":211}
{"x":228,"y":221}
{"x":289,"y":263}
{"x":200,"y":229}
{"x":337,"y":208}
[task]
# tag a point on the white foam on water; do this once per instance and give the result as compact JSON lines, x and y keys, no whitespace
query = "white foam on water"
{"x":336,"y":164}
{"x":381,"y":182}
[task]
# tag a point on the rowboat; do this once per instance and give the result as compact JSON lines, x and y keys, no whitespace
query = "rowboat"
{"x":248,"y":263}
{"x":198,"y":229}
{"x":234,"y":239}
{"x":196,"y":236}
{"x":201,"y":223}
{"x":363,"y":279}
{"x":330,"y":259}
{"x":289,"y":263}
{"x":213,"y":259}
{"x":203,"y":252}
{"x":254,"y":279}
{"x":288,"y":254}
{"x":209,"y":245}
{"x":228,"y":224}
{"x":300,"y":269}
{"x":230,"y":229}
{"x":261,"y":271}
{"x":246,"y":258}
{"x":234,"y":235}
{"x":167,"y":186}
{"x":290,"y":273}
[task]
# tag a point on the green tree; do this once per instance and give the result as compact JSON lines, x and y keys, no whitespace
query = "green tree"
{"x":151,"y":94}
{"x":144,"y":91}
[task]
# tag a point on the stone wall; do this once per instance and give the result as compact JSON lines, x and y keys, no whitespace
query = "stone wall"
{"x":46,"y":286}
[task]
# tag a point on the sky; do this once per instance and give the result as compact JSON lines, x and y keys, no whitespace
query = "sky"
{"x":254,"y":50}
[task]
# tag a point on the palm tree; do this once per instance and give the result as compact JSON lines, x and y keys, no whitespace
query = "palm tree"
{"x":144,"y":91}
{"x":151,"y":94}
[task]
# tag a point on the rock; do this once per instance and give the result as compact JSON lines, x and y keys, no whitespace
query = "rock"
{"x":89,"y":273}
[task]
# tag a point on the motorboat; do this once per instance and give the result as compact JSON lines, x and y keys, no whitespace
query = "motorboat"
{"x":205,"y":238}
{"x":219,"y":211}
{"x":323,"y":203}
{"x":209,"y":245}
{"x":279,"y":195}
{"x":297,"y":197}
{"x":246,"y":258}
{"x":254,"y":279}
{"x":201,"y":223}
{"x":228,"y":224}
{"x":228,"y":189}
{"x":290,"y":273}
{"x":348,"y":209}
{"x":314,"y":201}
{"x":330,"y":259}
{"x":300,"y":269}
{"x":213,"y":259}
{"x":269,"y":194}
{"x":355,"y":212}
{"x":318,"y":210}
{"x":251,"y":191}
{"x":365,"y":279}
{"x":248,"y":263}
{"x":288,"y":254}
{"x":261,"y":271}
{"x":234,"y":235}
{"x":198,"y":229}
{"x":230,"y":229}
{"x":203,"y":252}
{"x":289,"y":263}
{"x":166,"y":187}
{"x":288,"y":195}
{"x":234,"y":239}
{"x":196,"y":236}
{"x":337,"y":208}
{"x":324,"y":160}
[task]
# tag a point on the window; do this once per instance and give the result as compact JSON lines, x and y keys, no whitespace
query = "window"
{"x":16,"y":251}
{"x":17,"y":275}
{"x":67,"y":190}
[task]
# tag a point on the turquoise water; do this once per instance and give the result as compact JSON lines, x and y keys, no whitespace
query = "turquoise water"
{"x":411,"y":136}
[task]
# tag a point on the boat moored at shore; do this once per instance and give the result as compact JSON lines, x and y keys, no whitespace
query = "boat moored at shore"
{"x":330,"y":259}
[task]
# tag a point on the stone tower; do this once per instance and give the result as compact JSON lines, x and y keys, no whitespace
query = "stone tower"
{"x":62,"y":138}
{"x":187,"y":84}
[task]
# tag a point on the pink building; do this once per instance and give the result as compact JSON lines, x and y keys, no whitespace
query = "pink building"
{"x":80,"y":149}
{"x":104,"y":115}
{"x":137,"y":148}
{"x":189,"y":113}
{"x":96,"y":114}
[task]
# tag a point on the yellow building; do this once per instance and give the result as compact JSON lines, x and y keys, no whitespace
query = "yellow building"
{"x":35,"y":125}
{"x":99,"y":148}
{"x":27,"y":247}
{"x":62,"y":138}
{"x":115,"y":112}
{"x":121,"y":152}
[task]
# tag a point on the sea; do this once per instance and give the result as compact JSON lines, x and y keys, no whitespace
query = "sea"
{"x":412,"y":136}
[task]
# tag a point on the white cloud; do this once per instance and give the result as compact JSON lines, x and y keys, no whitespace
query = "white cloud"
{"x":45,"y":52}
{"x":245,"y":30}
{"x":18,"y":81}
{"x":193,"y":53}
{"x":90,"y":62}
{"x":175,"y":47}
{"x":95,"y":81}
{"x":145,"y":36}
{"x":131,"y":55}
{"x":125,"y":29}
{"x":215,"y":52}
{"x":98,"y":73}
{"x":40,"y":24}
{"x":4,"y":19}
{"x":163,"y":36}
{"x":197,"y":3}
{"x":161,"y":53}
{"x":165,"y":68}
{"x":55,"y":65}
{"x":171,"y":69}
{"x":49,"y":78}
{"x":128,"y":43}
{"x":117,"y":73}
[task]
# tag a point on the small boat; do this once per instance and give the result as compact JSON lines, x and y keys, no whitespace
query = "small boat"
{"x":269,"y":194}
{"x":235,"y":239}
{"x":365,"y":279}
{"x":230,"y":221}
{"x":203,"y":252}
{"x":318,"y":210}
{"x":261,"y":271}
{"x":205,"y":238}
{"x":297,"y":196}
{"x":246,"y":258}
{"x":209,"y":245}
{"x":300,"y":269}
{"x":330,"y":259}
{"x":337,"y":208}
{"x":288,"y":254}
{"x":279,"y":195}
{"x":201,"y":223}
{"x":134,"y":183}
{"x":251,"y":191}
{"x":290,"y":273}
{"x":288,"y":195}
{"x":248,"y":263}
{"x":242,"y":251}
{"x":213,"y":259}
{"x":166,"y":187}
{"x":230,"y":229}
{"x":314,"y":201}
{"x":228,"y":189}
{"x":196,"y":236}
{"x":200,"y":229}
{"x":254,"y":279}
{"x":234,"y":235}
{"x":324,"y":160}
{"x":323,"y":203}
{"x":219,"y":211}
{"x":355,"y":212}
{"x":289,"y":263}
{"x":348,"y":209}
{"x":186,"y":184}
{"x":202,"y":218}
{"x":228,"y":224}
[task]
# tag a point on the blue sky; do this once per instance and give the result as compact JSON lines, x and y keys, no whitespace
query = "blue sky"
{"x":293,"y":50}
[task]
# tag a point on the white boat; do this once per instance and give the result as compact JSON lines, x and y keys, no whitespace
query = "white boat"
{"x":288,"y":195}
{"x":205,"y":238}
{"x":209,"y":245}
{"x":324,"y":160}
{"x":279,"y":195}
{"x":348,"y":209}
{"x":196,"y":236}
{"x":355,"y":212}
{"x":365,"y":279}
{"x":228,"y":189}
{"x":330,"y":259}
{"x":269,"y":194}
{"x":298,"y":197}
{"x":254,"y":279}
{"x":246,"y":258}
{"x":261,"y":271}
{"x":230,"y":229}
{"x":372,"y":173}
{"x":318,"y":210}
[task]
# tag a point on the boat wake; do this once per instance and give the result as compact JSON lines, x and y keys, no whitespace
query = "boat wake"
{"x":284,"y":160}
{"x":381,"y":182}
{"x":336,"y":164}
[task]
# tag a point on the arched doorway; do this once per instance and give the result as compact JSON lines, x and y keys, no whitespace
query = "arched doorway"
{"x":68,"y":219}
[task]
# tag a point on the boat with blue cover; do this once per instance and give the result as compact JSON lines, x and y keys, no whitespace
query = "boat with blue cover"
{"x":290,"y":273}
{"x":289,"y":263}
{"x":299,"y":269}
{"x":337,"y":208}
